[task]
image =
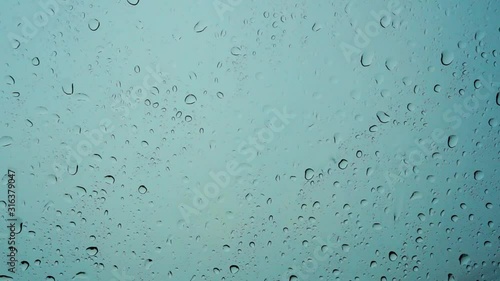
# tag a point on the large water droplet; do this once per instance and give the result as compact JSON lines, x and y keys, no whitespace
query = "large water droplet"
{"x":92,"y":251}
{"x":447,"y":58}
{"x":367,"y":59}
{"x":309,"y":174}
{"x":190,"y":99}
{"x":142,"y":189}
{"x":343,"y":164}
{"x":452,"y":141}
{"x":478,"y":175}
{"x":234,"y":268}
{"x":383,"y":117}
{"x":464,"y":259}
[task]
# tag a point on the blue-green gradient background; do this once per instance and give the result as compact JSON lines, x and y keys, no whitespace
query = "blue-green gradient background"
{"x":251,"y":140}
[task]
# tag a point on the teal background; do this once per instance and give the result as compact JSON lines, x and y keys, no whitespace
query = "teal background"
{"x":246,"y":181}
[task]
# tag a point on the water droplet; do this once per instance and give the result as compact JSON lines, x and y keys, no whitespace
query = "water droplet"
{"x":316,"y":27}
{"x":447,"y":58}
{"x":200,"y":27}
{"x":220,"y":95}
{"x":234,"y":269}
{"x":383,"y":117}
{"x":190,"y":99}
{"x":367,"y":59}
{"x":452,"y":141}
{"x":464,"y":259}
{"x":391,"y":64}
{"x":24,"y":266}
{"x":343,"y":164}
{"x":385,"y":21}
{"x":109,"y":179}
{"x":478,"y":175}
{"x":309,"y":174}
{"x":35,"y":61}
{"x":92,"y":251}
{"x":94,"y":24}
{"x":142,"y":189}
{"x":133,"y":2}
{"x":6,"y":141}
{"x":393,"y":256}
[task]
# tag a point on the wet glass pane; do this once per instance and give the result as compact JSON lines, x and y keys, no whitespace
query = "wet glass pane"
{"x":250,"y":140}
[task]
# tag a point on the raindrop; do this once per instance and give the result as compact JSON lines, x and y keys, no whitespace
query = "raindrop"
{"x":452,"y":141}
{"x":109,"y":179}
{"x":94,"y":24}
{"x":367,"y":59}
{"x":464,"y":259}
{"x":220,"y":95}
{"x":478,"y":175}
{"x":391,"y":64}
{"x":35,"y":61}
{"x":142,"y":189}
{"x":234,"y":268}
{"x":309,"y":174}
{"x":70,"y":91}
{"x":5,"y":141}
{"x":383,"y":117}
{"x":447,"y":58}
{"x":92,"y":251}
{"x":235,"y":51}
{"x":200,"y":27}
{"x":393,"y":256}
{"x":190,"y":99}
{"x":316,"y":27}
{"x":343,"y":164}
{"x":385,"y":21}
{"x":24,"y":265}
{"x":133,"y":2}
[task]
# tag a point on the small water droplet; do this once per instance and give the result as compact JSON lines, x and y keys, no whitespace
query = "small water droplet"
{"x":6,"y":141}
